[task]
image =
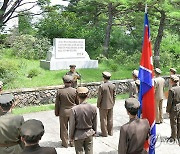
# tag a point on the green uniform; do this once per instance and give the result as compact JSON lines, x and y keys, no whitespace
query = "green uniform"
{"x":10,"y":142}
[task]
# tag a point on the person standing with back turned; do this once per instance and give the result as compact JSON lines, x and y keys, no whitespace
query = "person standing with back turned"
{"x":159,"y":88}
{"x":10,"y":140}
{"x":134,"y":133}
{"x":105,"y":103}
{"x":83,"y":123}
{"x":66,"y":98}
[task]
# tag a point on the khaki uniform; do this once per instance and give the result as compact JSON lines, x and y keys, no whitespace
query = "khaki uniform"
{"x":173,"y":108}
{"x":83,"y":125}
{"x":105,"y":103}
{"x":66,"y":99}
{"x":76,"y":76}
{"x":133,"y":90}
{"x":133,"y":136}
{"x":159,"y":87}
{"x":10,"y":142}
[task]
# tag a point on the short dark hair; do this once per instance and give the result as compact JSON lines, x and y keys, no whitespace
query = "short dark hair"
{"x":107,"y":78}
{"x":131,"y":110}
{"x":83,"y":95}
{"x":32,"y":140}
{"x":6,"y":107}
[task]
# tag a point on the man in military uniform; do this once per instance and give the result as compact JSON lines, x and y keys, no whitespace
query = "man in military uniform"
{"x":31,"y":132}
{"x":134,"y":133}
{"x":133,"y":89}
{"x":10,"y":142}
{"x":83,"y":123}
{"x":173,"y":108}
{"x":159,"y":87}
{"x":172,"y":71}
{"x":76,"y":76}
{"x":66,"y":98}
{"x":105,"y":103}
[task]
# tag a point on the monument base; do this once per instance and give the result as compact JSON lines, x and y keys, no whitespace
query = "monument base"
{"x":64,"y":64}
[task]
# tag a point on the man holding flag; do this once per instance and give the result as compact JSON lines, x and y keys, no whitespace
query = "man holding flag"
{"x":127,"y":143}
{"x":146,"y":94}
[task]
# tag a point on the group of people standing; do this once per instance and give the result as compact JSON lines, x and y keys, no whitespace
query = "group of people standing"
{"x":78,"y":119}
{"x":173,"y":100}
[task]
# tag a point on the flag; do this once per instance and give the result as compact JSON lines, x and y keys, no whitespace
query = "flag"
{"x":146,"y":94}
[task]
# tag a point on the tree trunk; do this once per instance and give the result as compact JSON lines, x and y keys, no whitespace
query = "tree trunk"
{"x":159,"y":39}
{"x":108,"y":30}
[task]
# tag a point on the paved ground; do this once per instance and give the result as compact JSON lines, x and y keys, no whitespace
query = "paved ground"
{"x":102,"y":145}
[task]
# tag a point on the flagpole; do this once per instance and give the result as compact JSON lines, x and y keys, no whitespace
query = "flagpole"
{"x":146,"y":8}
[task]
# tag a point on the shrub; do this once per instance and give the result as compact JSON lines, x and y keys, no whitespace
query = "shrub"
{"x":32,"y":73}
{"x":28,"y":46}
{"x":8,"y":71}
{"x":114,"y":67}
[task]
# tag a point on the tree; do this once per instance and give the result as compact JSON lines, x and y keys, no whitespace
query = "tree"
{"x":8,"y":8}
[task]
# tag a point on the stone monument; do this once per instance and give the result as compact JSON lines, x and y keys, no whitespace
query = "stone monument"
{"x":65,"y":52}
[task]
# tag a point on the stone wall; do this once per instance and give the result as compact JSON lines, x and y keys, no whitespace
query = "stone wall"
{"x":46,"y":95}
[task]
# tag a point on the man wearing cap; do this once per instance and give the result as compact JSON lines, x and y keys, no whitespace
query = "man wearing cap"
{"x":105,"y":103}
{"x":134,"y":133}
{"x":76,"y":76}
{"x":10,"y":142}
{"x":159,"y":87}
{"x":31,"y":132}
{"x":172,"y":71}
{"x":133,"y":89}
{"x":66,"y":98}
{"x":83,"y":123}
{"x":173,"y":108}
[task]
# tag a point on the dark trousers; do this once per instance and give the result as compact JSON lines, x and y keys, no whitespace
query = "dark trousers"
{"x":106,"y":120}
{"x":82,"y":145}
{"x":64,"y":130}
{"x":175,"y":124}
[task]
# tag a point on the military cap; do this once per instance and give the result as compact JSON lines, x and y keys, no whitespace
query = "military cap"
{"x":67,"y":78}
{"x":32,"y":130}
{"x":132,"y":104}
{"x":72,"y":66}
{"x":135,"y":73}
{"x":106,"y":74}
{"x":174,"y":78}
{"x":82,"y":90}
{"x":157,"y":70}
{"x":6,"y":99}
{"x":173,"y":70}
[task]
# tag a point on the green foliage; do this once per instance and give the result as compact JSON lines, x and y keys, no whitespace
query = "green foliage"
{"x":33,"y":72}
{"x":8,"y":71}
{"x":25,"y":23}
{"x":28,"y":46}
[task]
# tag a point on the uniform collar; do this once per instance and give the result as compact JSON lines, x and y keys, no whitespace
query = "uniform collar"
{"x":32,"y":147}
{"x":132,"y":119}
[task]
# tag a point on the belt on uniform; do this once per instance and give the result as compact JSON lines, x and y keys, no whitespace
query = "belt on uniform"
{"x":9,"y":144}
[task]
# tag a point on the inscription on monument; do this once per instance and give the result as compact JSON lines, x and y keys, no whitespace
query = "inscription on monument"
{"x":69,"y":48}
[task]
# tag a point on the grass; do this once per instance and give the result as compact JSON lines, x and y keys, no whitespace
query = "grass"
{"x":50,"y":78}
{"x":31,"y":109}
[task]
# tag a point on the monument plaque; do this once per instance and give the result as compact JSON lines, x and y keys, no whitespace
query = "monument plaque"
{"x":65,"y":52}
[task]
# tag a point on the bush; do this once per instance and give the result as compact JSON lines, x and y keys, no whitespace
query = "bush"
{"x":8,"y":71}
{"x":32,"y":73}
{"x":28,"y":46}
